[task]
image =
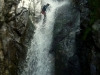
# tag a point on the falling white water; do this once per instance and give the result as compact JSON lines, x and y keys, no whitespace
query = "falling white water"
{"x":39,"y":61}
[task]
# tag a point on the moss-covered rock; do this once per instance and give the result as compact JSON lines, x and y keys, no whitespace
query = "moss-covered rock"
{"x":90,"y":35}
{"x":95,"y":10}
{"x":94,"y":7}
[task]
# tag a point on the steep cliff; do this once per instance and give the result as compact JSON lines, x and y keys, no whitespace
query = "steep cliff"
{"x":67,"y":24}
{"x":75,"y":44}
{"x":84,"y":58}
{"x":16,"y":32}
{"x":90,"y":38}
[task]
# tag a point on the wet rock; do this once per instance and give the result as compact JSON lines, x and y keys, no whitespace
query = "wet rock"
{"x":1,"y":14}
{"x":96,"y":25}
{"x":6,"y":72}
{"x":92,"y":69}
{"x":74,"y":67}
{"x":91,"y":43}
{"x":1,"y":4}
{"x":1,"y":56}
{"x":83,"y":53}
{"x":84,"y":14}
{"x":14,"y":29}
{"x":96,"y":33}
{"x":94,"y":65}
{"x":66,"y":25}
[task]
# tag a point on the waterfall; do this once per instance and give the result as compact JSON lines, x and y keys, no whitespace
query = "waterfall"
{"x":39,"y":61}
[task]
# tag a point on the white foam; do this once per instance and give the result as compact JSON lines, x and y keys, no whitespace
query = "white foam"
{"x":39,"y":60}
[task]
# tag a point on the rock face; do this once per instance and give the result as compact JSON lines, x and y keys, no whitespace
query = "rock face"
{"x":84,"y":58}
{"x":66,"y":26}
{"x":90,"y":50}
{"x":16,"y":32}
{"x":95,"y":52}
{"x":96,"y":33}
{"x":76,"y":41}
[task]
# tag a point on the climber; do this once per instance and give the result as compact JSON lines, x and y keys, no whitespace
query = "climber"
{"x":44,"y":10}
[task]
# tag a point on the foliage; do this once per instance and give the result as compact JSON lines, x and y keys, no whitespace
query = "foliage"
{"x":87,"y":30}
{"x":94,"y":6}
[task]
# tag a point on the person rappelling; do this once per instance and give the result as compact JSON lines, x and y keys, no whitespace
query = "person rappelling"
{"x":44,"y":11}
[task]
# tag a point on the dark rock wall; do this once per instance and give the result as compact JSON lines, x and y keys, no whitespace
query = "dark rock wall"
{"x":90,"y":36}
{"x":85,"y":58}
{"x":65,"y":28}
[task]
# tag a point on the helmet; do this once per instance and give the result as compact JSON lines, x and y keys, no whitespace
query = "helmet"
{"x":48,"y":4}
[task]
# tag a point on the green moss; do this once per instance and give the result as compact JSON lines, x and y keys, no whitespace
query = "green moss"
{"x":94,"y":15}
{"x":94,"y":7}
{"x":87,"y":31}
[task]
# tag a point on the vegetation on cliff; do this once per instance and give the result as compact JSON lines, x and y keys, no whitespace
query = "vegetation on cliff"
{"x":95,"y":10}
{"x":94,"y":6}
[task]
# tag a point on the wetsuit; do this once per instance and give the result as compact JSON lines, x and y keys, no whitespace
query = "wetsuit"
{"x":44,"y":9}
